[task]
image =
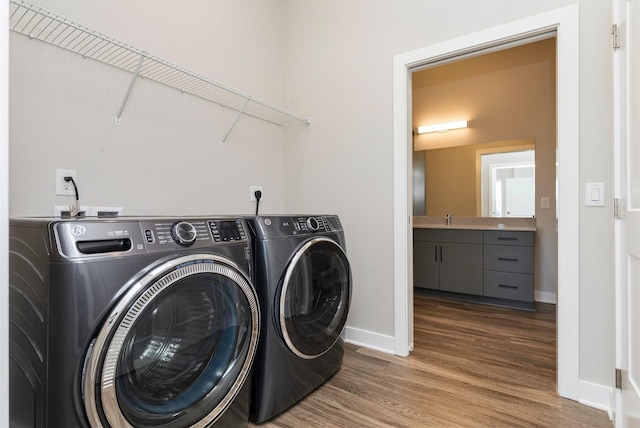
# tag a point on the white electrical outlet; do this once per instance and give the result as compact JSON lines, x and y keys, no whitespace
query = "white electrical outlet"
{"x":252,"y":193}
{"x":65,"y":187}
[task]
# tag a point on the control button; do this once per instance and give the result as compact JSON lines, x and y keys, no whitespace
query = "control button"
{"x":183,"y":233}
{"x":148,"y":234}
{"x":313,"y":224}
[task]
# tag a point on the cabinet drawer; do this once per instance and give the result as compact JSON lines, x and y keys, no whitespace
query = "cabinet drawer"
{"x":506,"y":258}
{"x":513,"y":286}
{"x":448,"y":235}
{"x":508,"y":237}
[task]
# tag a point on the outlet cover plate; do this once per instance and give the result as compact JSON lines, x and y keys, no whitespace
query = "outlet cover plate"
{"x":252,"y":193}
{"x":65,"y":188}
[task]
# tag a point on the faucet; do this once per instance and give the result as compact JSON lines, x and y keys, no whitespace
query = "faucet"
{"x":449,"y":217}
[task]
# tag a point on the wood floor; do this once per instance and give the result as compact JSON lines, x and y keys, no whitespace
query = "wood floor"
{"x":473,"y":366}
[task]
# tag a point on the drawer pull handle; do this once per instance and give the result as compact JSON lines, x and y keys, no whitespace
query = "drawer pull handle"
{"x":507,"y":259}
{"x":514,"y":287}
{"x":507,"y":238}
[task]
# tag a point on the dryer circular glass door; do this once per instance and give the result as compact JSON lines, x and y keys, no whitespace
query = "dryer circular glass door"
{"x":314,"y":298}
{"x":176,"y":349}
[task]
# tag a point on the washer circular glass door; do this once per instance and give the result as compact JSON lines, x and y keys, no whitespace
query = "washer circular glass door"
{"x":176,"y":349}
{"x":314,"y":298}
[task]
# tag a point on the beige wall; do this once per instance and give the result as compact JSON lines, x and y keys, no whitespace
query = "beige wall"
{"x":504,"y":95}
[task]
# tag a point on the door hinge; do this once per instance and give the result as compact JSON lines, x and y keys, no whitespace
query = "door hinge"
{"x":614,"y":35}
{"x":618,"y":379}
{"x":617,"y":208}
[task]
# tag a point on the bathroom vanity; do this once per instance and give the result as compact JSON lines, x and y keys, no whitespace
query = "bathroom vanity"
{"x":486,"y":263}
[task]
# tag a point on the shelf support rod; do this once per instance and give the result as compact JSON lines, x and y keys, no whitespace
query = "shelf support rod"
{"x":236,"y":119}
{"x":126,"y":95}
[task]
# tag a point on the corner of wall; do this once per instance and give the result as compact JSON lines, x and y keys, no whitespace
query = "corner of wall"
{"x":597,"y":396}
{"x":368,"y":339}
{"x":546,"y":297}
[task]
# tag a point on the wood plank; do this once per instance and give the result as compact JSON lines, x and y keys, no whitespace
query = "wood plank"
{"x":472,"y":366}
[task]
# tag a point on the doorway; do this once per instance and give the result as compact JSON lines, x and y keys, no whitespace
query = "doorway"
{"x":564,"y":22}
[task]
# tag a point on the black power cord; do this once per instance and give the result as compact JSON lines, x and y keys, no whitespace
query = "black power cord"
{"x":258,"y":195}
{"x":75,"y":187}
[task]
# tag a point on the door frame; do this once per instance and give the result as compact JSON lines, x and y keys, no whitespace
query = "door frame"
{"x":565,"y":22}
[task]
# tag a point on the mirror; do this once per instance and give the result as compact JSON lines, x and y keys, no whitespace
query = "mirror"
{"x":508,"y":187}
{"x":494,"y":179}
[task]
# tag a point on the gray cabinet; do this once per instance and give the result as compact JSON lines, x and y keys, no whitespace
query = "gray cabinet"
{"x":491,"y":263}
{"x":508,"y":265}
{"x":448,"y":260}
{"x":426,"y":264}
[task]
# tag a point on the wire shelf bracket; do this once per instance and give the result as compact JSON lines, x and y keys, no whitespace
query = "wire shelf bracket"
{"x":38,"y":23}
{"x":126,"y":95}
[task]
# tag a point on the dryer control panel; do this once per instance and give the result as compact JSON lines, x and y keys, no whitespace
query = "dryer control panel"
{"x":274,"y":226}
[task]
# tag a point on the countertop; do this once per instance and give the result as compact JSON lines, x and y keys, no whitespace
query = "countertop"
{"x":474,"y":227}
{"x":476,"y":223}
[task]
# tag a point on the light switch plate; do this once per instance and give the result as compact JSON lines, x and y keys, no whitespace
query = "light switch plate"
{"x":594,"y":195}
{"x":544,"y":202}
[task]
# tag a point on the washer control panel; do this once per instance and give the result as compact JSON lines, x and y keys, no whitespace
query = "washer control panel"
{"x":111,"y":238}
{"x":195,"y":232}
{"x":169,"y":233}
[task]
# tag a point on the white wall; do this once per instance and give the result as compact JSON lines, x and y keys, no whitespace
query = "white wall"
{"x":597,"y":330}
{"x":342,"y":77}
{"x":166,"y":155}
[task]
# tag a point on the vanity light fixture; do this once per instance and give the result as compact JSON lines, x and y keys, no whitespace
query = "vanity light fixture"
{"x":442,"y":127}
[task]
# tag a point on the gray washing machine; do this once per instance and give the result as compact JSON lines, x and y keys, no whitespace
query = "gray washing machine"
{"x":145,"y":322}
{"x":303,"y":280}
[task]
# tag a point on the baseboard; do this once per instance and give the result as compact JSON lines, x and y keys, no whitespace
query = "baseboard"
{"x":368,"y":339}
{"x":545,"y":297}
{"x":597,"y":396}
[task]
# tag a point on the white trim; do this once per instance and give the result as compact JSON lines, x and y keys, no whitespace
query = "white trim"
{"x":565,"y":21}
{"x":597,"y":396}
{"x":402,"y":220}
{"x":369,"y":339}
{"x":545,"y":297}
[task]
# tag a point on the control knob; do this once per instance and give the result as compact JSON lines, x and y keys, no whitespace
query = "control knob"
{"x":183,"y":233}
{"x":313,"y":224}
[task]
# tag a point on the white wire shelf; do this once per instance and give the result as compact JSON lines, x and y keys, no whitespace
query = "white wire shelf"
{"x":38,"y":23}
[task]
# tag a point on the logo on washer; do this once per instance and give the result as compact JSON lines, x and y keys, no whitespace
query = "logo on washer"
{"x":78,"y":230}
